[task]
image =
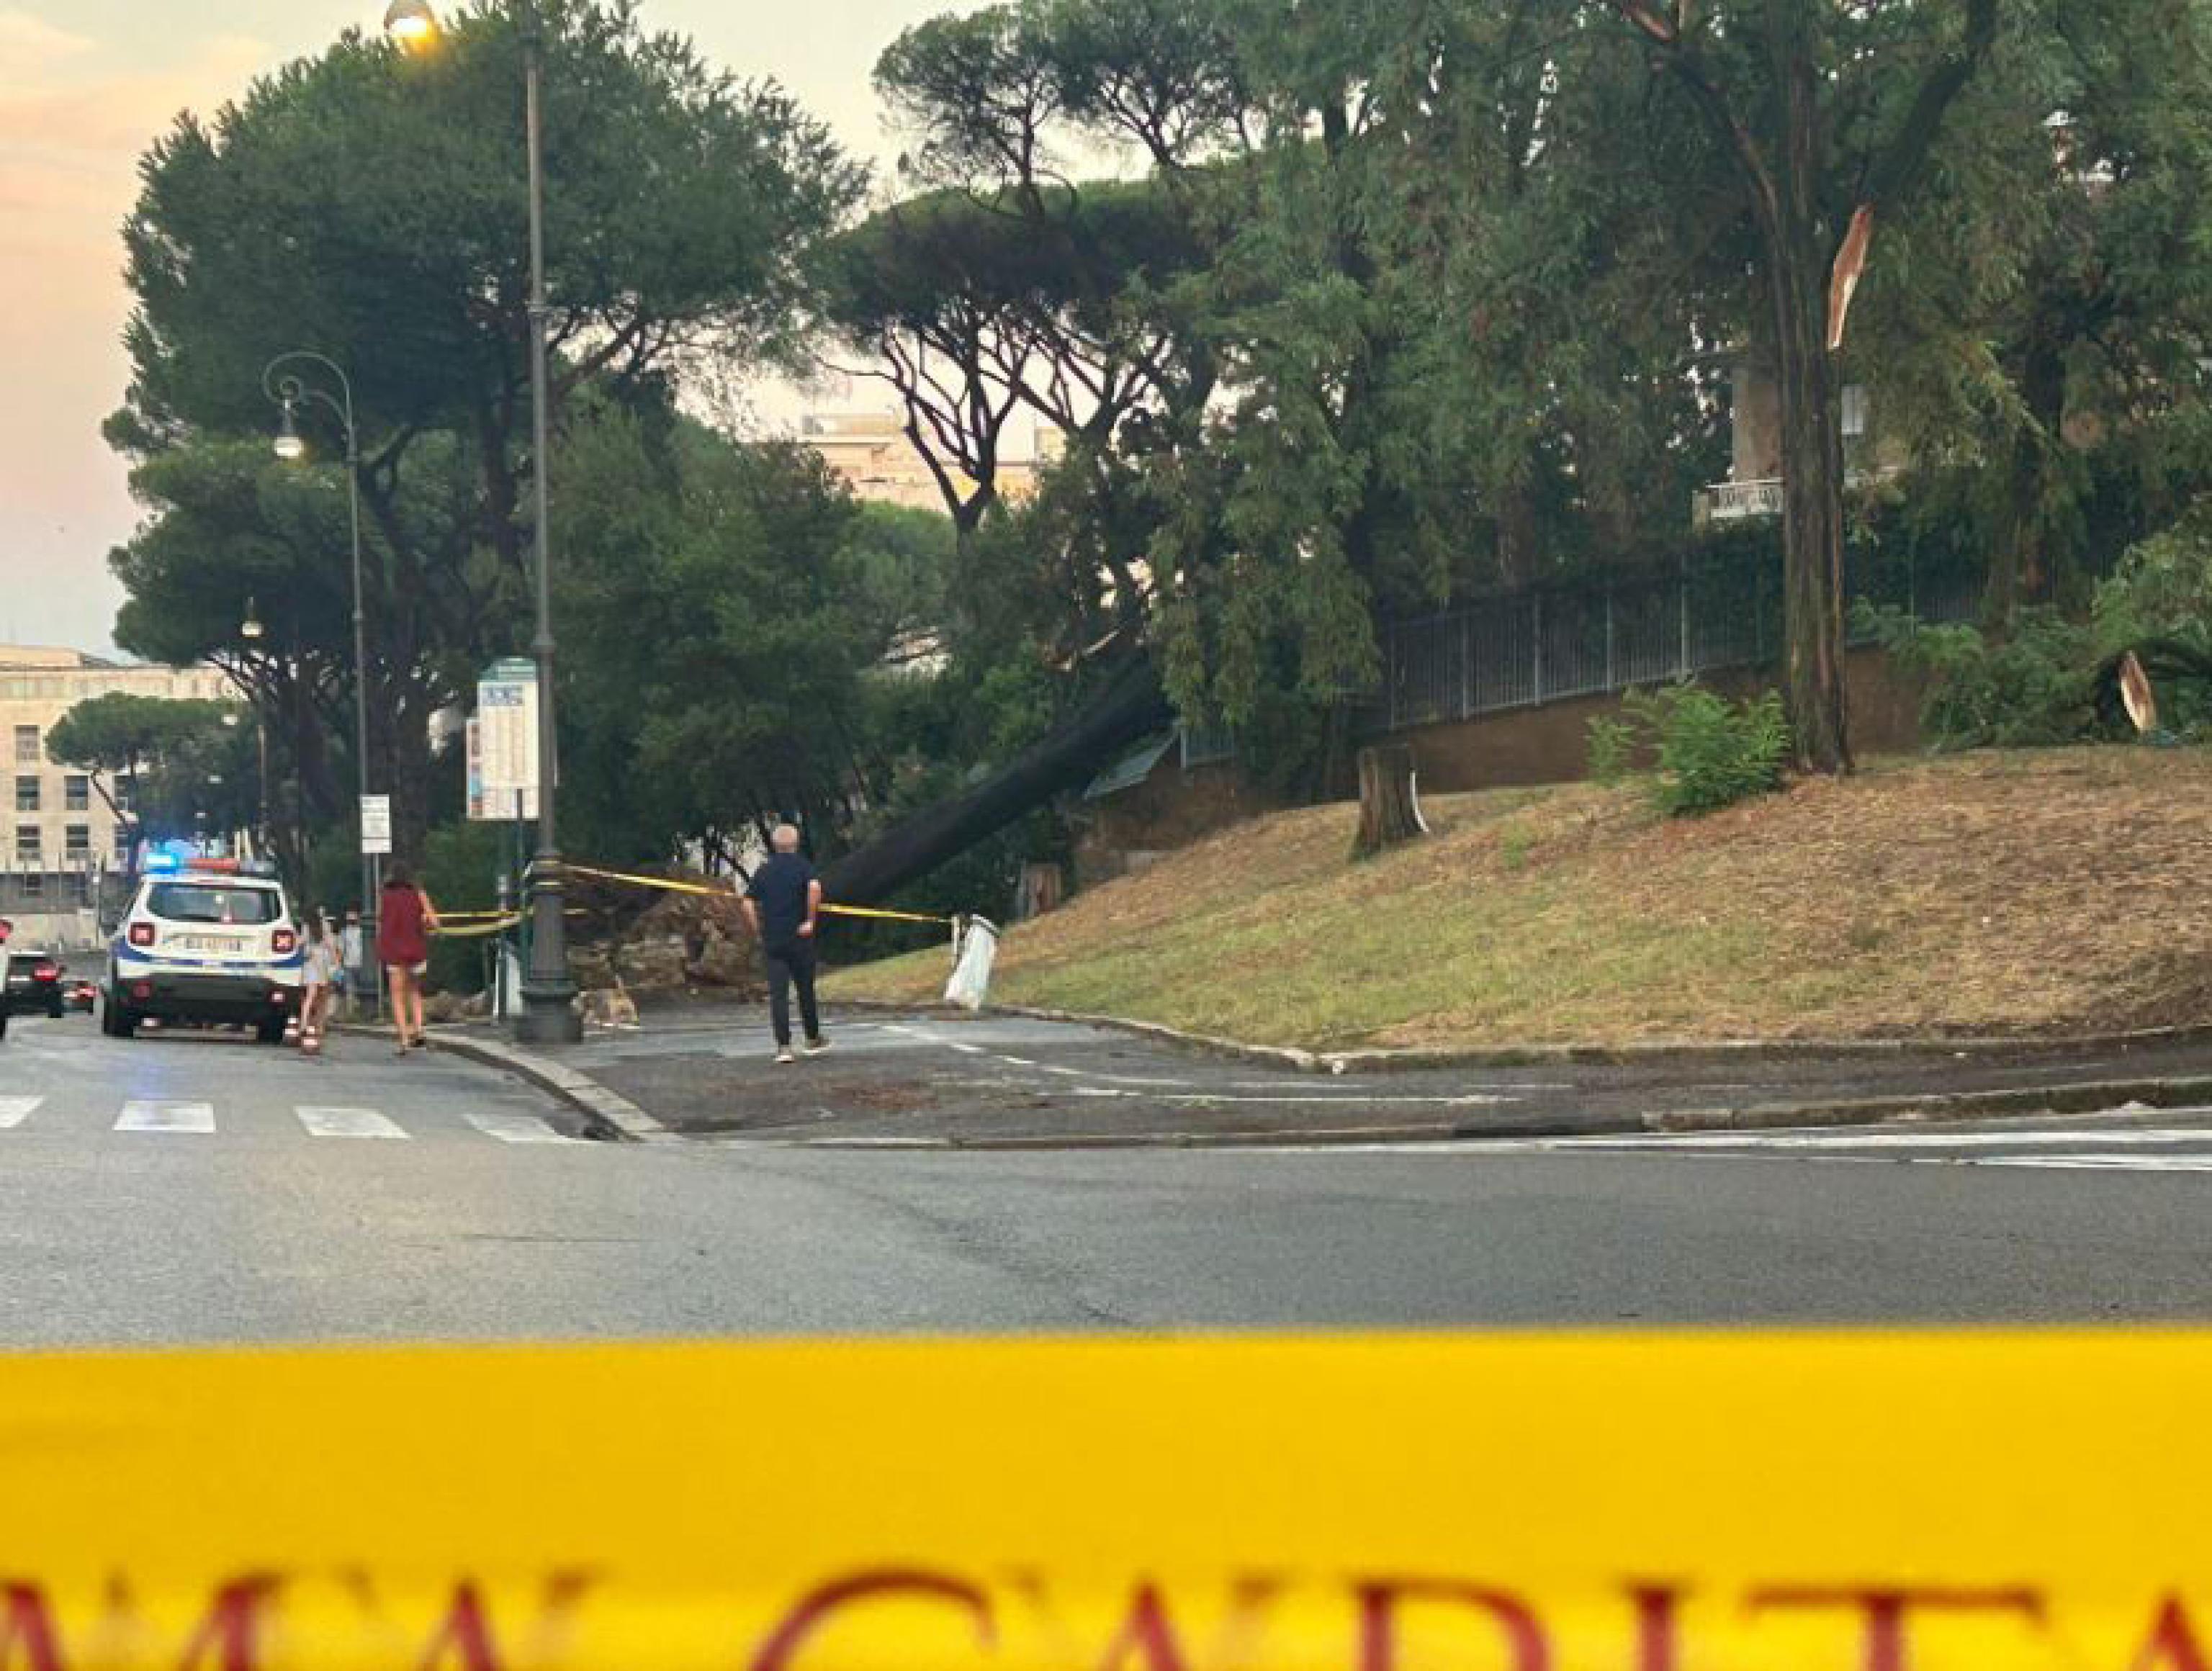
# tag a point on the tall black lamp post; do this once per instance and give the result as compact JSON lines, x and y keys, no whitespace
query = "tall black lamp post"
{"x":549,"y":992}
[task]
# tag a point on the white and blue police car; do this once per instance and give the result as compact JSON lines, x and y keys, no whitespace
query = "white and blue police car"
{"x":208,"y":941}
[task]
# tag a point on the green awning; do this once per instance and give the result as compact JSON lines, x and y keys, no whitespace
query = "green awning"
{"x":1131,"y":769}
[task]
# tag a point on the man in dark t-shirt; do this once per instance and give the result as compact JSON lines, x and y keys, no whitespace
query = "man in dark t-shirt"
{"x":784,"y":906}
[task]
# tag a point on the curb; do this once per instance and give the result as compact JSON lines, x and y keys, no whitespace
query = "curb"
{"x":2089,"y":1096}
{"x":607,"y":1117}
{"x":1661,"y":1052}
{"x":2082,"y":1096}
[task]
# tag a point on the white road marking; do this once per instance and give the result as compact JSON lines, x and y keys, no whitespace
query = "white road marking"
{"x":1136,"y":1079}
{"x":1921,"y":1138}
{"x":2095,"y":1163}
{"x":964,"y":1050}
{"x":196,"y":1118}
{"x":1017,"y":1061}
{"x":514,"y":1127}
{"x":1207,"y":1098}
{"x":348,"y":1123}
{"x":15,"y":1110}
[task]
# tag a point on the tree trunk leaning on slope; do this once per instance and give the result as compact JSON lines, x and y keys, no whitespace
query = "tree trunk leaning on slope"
{"x":1130,"y":707}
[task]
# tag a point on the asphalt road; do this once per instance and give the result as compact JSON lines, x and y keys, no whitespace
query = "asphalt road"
{"x":197,"y":1189}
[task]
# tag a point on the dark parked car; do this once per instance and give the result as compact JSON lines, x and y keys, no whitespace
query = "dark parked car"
{"x":34,"y":984}
{"x":80,"y":995}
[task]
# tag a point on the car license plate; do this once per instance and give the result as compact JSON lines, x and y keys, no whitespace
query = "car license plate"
{"x":207,"y":942}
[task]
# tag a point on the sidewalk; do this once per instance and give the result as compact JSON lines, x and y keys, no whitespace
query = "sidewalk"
{"x":930,"y":1079}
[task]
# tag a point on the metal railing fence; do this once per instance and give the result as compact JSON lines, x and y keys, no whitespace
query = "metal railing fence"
{"x":1546,"y":644}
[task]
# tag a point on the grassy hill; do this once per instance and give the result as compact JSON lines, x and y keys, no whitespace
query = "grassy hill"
{"x":2033,"y":892}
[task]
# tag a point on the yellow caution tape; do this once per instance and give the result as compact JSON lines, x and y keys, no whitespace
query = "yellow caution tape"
{"x":667,"y":884}
{"x":870,"y":911}
{"x":1576,"y":1502}
{"x":676,"y":887}
{"x":483,"y":932}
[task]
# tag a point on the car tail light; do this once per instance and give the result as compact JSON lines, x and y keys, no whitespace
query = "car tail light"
{"x":142,"y":933}
{"x":46,"y":972}
{"x":143,"y":991}
{"x":287,"y":941}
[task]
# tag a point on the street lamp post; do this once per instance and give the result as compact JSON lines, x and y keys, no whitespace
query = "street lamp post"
{"x":549,"y":992}
{"x":281,"y":380}
{"x":250,"y":630}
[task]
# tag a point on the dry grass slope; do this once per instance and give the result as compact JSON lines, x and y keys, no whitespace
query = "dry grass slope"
{"x":2041,"y":892}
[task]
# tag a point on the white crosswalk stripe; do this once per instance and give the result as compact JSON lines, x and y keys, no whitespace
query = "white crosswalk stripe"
{"x":155,"y":1116}
{"x":196,"y":1119}
{"x":349,"y":1122}
{"x":514,"y":1127}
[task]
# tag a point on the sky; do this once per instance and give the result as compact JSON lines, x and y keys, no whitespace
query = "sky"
{"x":85,"y":86}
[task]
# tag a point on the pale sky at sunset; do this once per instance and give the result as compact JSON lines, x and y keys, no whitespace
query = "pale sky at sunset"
{"x":84,"y":86}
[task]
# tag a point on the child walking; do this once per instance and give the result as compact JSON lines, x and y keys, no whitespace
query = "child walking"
{"x":322,"y":967}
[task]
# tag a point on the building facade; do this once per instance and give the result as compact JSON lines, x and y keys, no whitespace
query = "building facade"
{"x":64,"y":839}
{"x":871,"y":453}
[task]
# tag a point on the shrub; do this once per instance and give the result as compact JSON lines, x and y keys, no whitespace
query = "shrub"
{"x":2159,"y":603}
{"x":1612,"y":749}
{"x":1712,"y":752}
{"x":2037,"y":686}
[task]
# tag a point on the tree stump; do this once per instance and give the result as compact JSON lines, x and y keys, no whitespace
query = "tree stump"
{"x":1389,"y":802}
{"x":1043,"y":889}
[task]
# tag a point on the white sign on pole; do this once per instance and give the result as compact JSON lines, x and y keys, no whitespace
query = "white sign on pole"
{"x":478,"y":810}
{"x":375,"y":824}
{"x":506,"y":727}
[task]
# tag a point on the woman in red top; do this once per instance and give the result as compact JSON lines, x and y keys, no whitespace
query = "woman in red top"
{"x":403,"y":927}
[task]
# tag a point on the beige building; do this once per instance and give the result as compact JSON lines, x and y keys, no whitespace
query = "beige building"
{"x":871,"y":453}
{"x":64,"y":838}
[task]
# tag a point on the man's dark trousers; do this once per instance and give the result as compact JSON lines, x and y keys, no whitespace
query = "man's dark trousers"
{"x":790,"y":966}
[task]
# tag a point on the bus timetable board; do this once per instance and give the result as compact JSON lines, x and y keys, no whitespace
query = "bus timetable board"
{"x":503,"y":743}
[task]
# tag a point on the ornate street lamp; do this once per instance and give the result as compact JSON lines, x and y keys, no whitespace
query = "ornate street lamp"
{"x":549,"y":992}
{"x":283,"y":382}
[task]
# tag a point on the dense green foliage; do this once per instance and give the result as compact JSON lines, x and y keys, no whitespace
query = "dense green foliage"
{"x":2033,"y":685}
{"x":1320,"y":389}
{"x":1710,"y":752}
{"x":172,"y":769}
{"x":370,"y":206}
{"x":2053,"y":676}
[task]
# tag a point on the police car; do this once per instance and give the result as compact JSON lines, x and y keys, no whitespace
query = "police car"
{"x":205,"y":940}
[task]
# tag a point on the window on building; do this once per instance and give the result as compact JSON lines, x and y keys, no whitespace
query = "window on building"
{"x":126,"y":795}
{"x":77,"y":840}
{"x":27,"y":844}
{"x":35,"y":886}
{"x":123,"y":844}
{"x":1855,"y":410}
{"x":81,"y":888}
{"x":26,"y":794}
{"x":76,"y":793}
{"x":27,"y":745}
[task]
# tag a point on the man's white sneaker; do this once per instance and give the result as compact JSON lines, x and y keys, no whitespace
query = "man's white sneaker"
{"x":817,"y":1047}
{"x":784,"y":1059}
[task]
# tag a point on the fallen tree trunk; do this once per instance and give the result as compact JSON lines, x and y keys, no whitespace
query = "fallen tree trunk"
{"x":1130,"y":707}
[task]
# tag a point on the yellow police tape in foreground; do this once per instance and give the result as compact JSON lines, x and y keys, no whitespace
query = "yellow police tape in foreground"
{"x":1546,"y":1504}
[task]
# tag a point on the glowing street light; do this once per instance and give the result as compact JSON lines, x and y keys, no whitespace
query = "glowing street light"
{"x":289,"y":446}
{"x":411,"y":23}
